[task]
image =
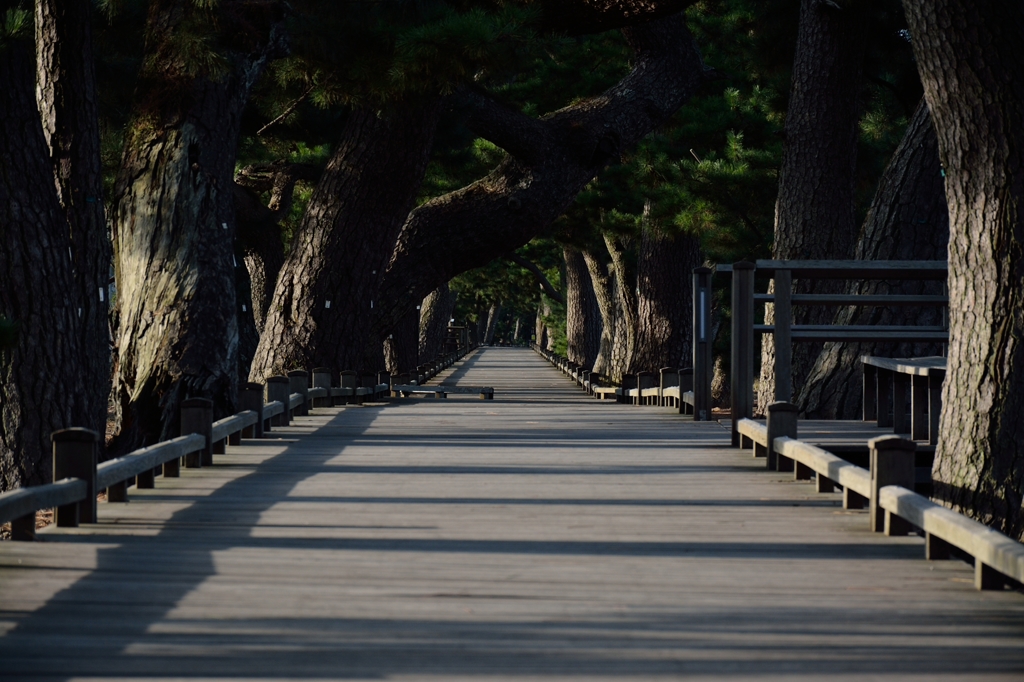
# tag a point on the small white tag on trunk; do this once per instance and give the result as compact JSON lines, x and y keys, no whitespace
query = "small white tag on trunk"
{"x":224,"y":225}
{"x":79,"y":312}
{"x":371,"y":305}
{"x":101,"y":294}
{"x":327,"y":304}
{"x":243,"y":307}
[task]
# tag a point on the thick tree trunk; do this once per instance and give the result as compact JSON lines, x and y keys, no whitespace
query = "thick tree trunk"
{"x":665,"y":300}
{"x":814,"y":215}
{"x":972,"y":68}
{"x":908,"y":220}
{"x":603,"y":286}
{"x":401,"y":348}
{"x":41,"y":376}
{"x":493,"y":316}
{"x":550,"y":161}
{"x":173,"y":227}
{"x":628,"y":320}
{"x":435,"y":314}
{"x":582,"y":314}
{"x":540,"y":329}
{"x":68,"y":105}
{"x":326,"y":292}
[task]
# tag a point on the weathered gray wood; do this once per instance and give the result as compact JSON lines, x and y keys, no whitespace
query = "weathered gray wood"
{"x":278,"y":390}
{"x":884,"y":300}
{"x":543,"y":535}
{"x":742,"y":380}
{"x":197,"y":417}
{"x":892,"y":463}
{"x":782,"y":336}
{"x":323,"y":378}
{"x":703,"y":363}
{"x":23,"y":502}
{"x":857,"y":269}
{"x":298,"y":381}
{"x":250,"y":398}
{"x":782,"y":421}
{"x":75,"y":455}
{"x":128,"y":466}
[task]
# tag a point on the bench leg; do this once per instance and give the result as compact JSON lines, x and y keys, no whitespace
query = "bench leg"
{"x":986,"y":577}
{"x":802,"y":472}
{"x":823,"y":484}
{"x":936,"y":549}
{"x":852,"y":500}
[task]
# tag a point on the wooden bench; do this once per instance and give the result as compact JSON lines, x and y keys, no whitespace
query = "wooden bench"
{"x":885,"y":394}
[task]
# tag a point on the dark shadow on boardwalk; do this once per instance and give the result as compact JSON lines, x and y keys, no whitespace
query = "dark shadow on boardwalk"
{"x":119,"y":621}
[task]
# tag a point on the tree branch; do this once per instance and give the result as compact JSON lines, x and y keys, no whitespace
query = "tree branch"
{"x":579,"y":17}
{"x":545,"y":284}
{"x":523,"y":137}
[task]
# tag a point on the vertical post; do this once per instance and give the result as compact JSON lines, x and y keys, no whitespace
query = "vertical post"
{"x":197,"y":417}
{"x":870,"y":391}
{"x":347,"y":379}
{"x":702,"y":363}
{"x":781,"y":422}
{"x":278,"y":389}
{"x":892,"y":463}
{"x":322,"y":377}
{"x":250,"y":397}
{"x":742,"y":344}
{"x":298,"y":382}
{"x":884,"y":397}
{"x":935,"y":378}
{"x":75,"y":455}
{"x":900,"y":384}
{"x":782,"y":336}
{"x":919,"y":407}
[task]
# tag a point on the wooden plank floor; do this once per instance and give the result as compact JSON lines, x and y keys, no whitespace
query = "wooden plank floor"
{"x":542,"y":535}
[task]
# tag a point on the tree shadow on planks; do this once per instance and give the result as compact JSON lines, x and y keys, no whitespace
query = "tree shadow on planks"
{"x":141,"y":611}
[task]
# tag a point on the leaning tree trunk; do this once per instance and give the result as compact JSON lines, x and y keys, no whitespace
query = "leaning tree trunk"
{"x":401,"y":348}
{"x":435,"y":314}
{"x":41,"y":376}
{"x":628,"y":318}
{"x":815,"y":216}
{"x":69,"y":106}
{"x":493,"y":315}
{"x":323,"y":305}
{"x":173,"y":228}
{"x":602,"y":284}
{"x":665,"y":300}
{"x":908,"y":220}
{"x":972,"y":68}
{"x":582,"y":314}
{"x":550,"y":161}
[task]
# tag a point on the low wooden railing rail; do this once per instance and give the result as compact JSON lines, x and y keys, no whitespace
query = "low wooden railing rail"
{"x":79,"y":477}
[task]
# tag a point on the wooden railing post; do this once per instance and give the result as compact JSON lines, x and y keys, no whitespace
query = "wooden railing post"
{"x":322,"y":378}
{"x":782,"y":336}
{"x":703,"y":366}
{"x":892,"y":463}
{"x":197,"y":417}
{"x":75,"y":455}
{"x":278,"y":389}
{"x":250,"y":397}
{"x":742,"y":384}
{"x":781,"y":422}
{"x":298,"y":380}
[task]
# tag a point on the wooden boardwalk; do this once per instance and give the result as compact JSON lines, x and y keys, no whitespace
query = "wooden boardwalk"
{"x":541,"y":535}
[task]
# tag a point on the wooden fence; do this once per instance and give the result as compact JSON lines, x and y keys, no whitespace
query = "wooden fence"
{"x":78,"y":476}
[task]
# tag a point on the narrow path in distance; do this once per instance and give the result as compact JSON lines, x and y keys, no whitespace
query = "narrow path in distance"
{"x":541,"y":535}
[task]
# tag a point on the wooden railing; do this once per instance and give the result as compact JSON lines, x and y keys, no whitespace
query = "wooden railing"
{"x":78,"y":476}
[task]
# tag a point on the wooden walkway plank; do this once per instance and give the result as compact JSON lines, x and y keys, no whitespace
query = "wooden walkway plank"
{"x":541,"y":535}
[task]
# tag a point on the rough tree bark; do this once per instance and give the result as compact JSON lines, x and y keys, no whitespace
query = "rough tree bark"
{"x":582,"y":314}
{"x":493,"y":316}
{"x":908,"y":220}
{"x":68,"y":104}
{"x":664,"y":336}
{"x":41,"y":375}
{"x":602,"y":284}
{"x":814,"y":215}
{"x":550,"y":161}
{"x":627,"y":321}
{"x":173,"y":219}
{"x":322,"y":311}
{"x":969,"y":58}
{"x":435,"y":313}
